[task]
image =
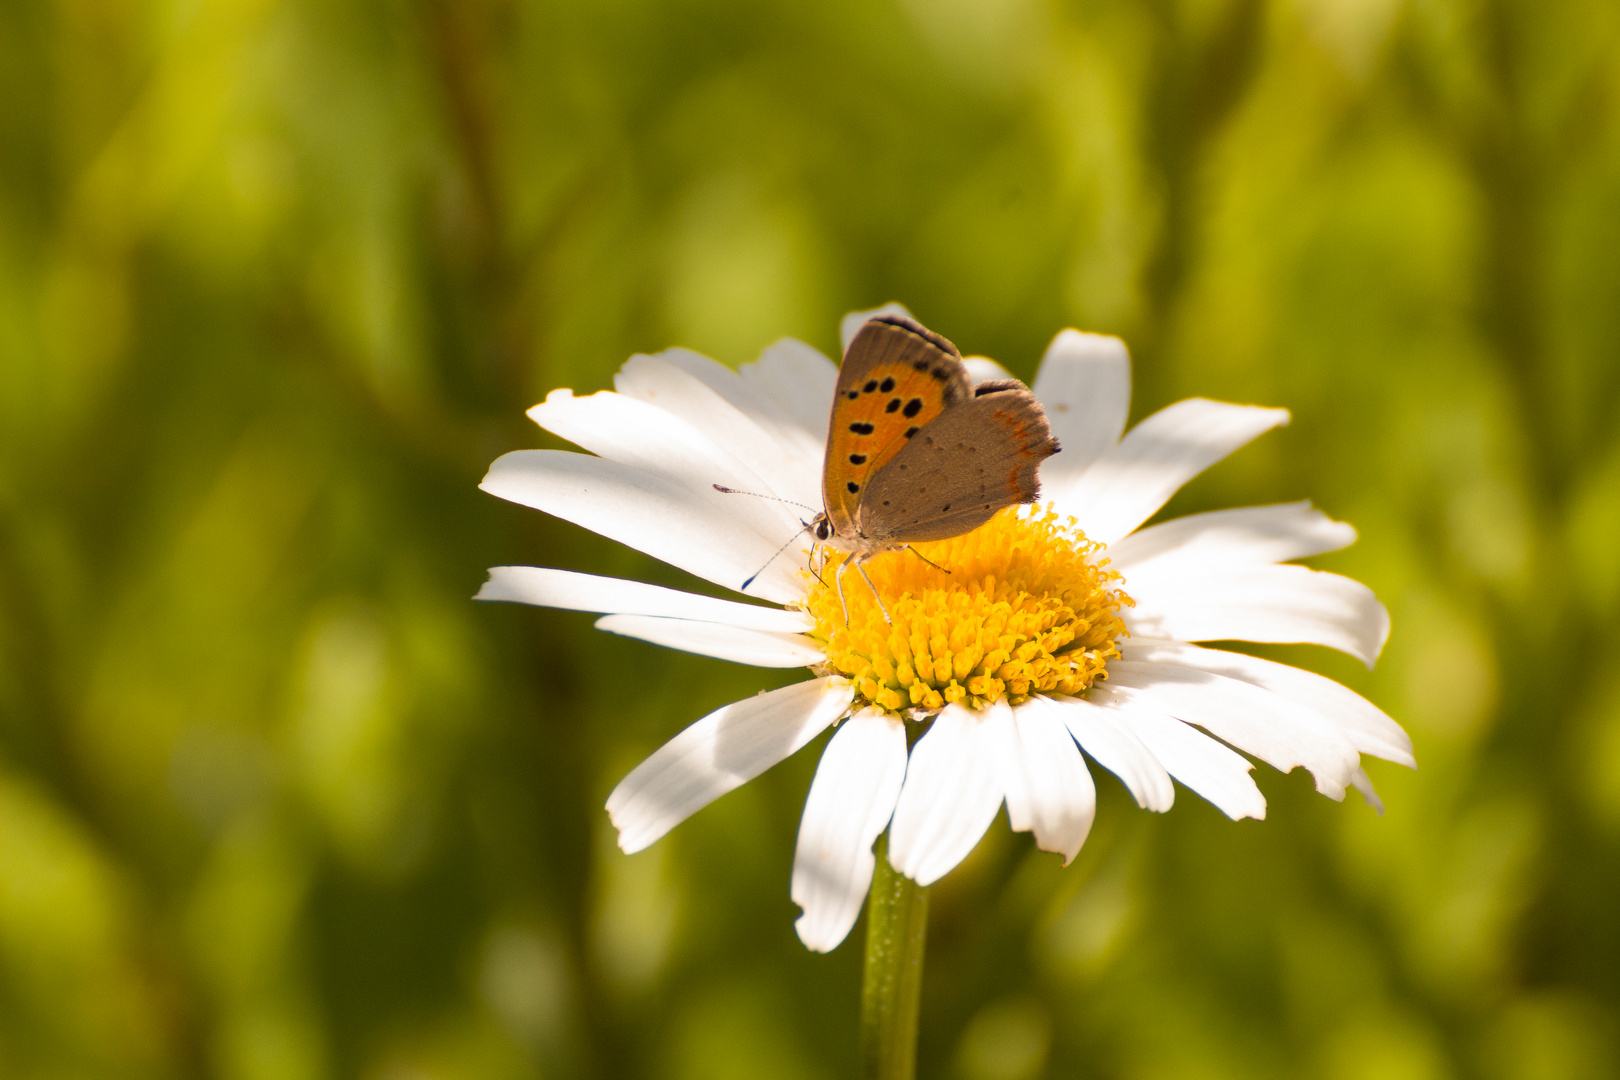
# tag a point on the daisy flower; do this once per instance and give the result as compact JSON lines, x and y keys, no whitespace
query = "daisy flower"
{"x":1051,"y":634}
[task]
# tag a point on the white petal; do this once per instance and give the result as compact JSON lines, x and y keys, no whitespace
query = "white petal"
{"x":720,"y":541}
{"x":757,"y":647}
{"x":1084,"y":383}
{"x":1048,"y":789}
{"x":1252,"y":534}
{"x":1204,"y":765}
{"x":983,"y":369}
{"x":1252,"y":719}
{"x":1363,"y":783}
{"x":622,"y":429}
{"x":1366,"y":726}
{"x":800,"y":381}
{"x":716,"y":402}
{"x":952,"y":791}
{"x":1125,"y":486}
{"x":1258,"y":603}
{"x":565,"y":589}
{"x":719,"y":753}
{"x":1105,"y":735}
{"x":851,"y":324}
{"x":850,"y":803}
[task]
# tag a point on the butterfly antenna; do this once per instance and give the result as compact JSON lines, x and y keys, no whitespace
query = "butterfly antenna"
{"x":770,"y":560}
{"x":757,"y":495}
{"x":810,"y":563}
{"x":926,"y":559}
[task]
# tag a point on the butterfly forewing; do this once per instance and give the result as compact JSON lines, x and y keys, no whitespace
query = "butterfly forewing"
{"x":896,"y":379}
{"x":958,"y":471}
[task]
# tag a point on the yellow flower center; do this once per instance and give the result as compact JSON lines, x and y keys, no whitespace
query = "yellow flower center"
{"x":1021,"y":605}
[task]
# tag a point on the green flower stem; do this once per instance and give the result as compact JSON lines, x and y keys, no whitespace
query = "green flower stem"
{"x":896,"y":929}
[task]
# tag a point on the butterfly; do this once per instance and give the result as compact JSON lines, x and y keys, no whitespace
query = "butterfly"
{"x":915,"y":452}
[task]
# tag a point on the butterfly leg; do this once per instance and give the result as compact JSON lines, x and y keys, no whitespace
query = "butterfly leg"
{"x":859,"y":565}
{"x":913,"y":549}
{"x":838,"y":580}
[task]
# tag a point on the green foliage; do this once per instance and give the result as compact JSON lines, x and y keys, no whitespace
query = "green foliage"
{"x":278,"y":278}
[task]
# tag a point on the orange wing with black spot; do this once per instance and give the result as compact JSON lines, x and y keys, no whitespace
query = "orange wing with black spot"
{"x":896,"y":378}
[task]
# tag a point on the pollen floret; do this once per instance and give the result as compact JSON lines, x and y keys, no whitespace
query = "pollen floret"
{"x":1022,"y":605}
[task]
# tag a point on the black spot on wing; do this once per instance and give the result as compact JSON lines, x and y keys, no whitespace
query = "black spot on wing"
{"x":910,"y":431}
{"x":871,"y":385}
{"x":913,"y":407}
{"x":857,"y":459}
{"x":894,"y":403}
{"x":996,"y":386}
{"x":861,"y":429}
{"x":853,"y":487}
{"x":888,"y":384}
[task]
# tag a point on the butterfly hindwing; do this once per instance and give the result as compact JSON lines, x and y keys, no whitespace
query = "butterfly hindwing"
{"x":896,"y":379}
{"x":976,"y":458}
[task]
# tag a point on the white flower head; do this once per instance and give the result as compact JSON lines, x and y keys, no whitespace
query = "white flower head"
{"x":1049,"y":631}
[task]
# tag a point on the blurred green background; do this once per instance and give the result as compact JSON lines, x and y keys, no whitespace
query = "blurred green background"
{"x":278,"y":278}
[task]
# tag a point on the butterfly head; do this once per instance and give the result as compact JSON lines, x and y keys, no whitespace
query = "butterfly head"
{"x":823,"y":531}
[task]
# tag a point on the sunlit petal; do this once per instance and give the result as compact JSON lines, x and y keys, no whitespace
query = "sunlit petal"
{"x":849,"y":806}
{"x":719,"y":542}
{"x":1204,"y":765}
{"x":1252,"y":534}
{"x":546,"y":587}
{"x":1281,"y":603}
{"x":757,"y":647}
{"x":1107,"y":737}
{"x":1125,"y":486}
{"x":1247,"y":716}
{"x":952,"y":792}
{"x":1084,"y":383}
{"x":1367,"y":727}
{"x":1048,"y":790}
{"x":720,"y":753}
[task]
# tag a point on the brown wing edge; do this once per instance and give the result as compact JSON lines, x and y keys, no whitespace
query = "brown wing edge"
{"x":938,"y":341}
{"x":877,"y":340}
{"x":995,"y":386}
{"x":1042,"y":446}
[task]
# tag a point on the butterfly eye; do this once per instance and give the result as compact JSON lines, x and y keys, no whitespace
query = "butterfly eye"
{"x":823,"y":530}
